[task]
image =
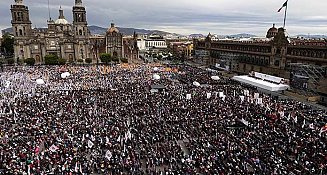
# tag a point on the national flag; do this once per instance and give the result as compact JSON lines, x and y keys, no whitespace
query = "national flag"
{"x":284,"y":5}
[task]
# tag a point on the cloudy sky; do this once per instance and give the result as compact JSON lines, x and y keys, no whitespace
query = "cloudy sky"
{"x":187,"y":16}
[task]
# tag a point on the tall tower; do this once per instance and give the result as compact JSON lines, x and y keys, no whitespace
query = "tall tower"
{"x":20,"y":22}
{"x":79,"y":20}
{"x":81,"y":31}
{"x":22,"y":29}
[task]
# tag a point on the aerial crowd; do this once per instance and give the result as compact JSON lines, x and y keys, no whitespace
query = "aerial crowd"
{"x":111,"y":120}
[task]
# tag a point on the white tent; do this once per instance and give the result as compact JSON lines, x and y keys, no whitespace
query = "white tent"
{"x":197,"y":84}
{"x":261,"y":83}
{"x":215,"y":78}
{"x":40,"y":81}
{"x":156,"y":77}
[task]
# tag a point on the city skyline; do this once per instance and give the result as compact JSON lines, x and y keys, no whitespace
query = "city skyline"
{"x":183,"y":17}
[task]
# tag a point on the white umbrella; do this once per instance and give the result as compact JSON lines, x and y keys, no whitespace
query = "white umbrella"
{"x":7,"y":84}
{"x":67,"y":73}
{"x":156,"y":77}
{"x":215,"y":78}
{"x":195,"y":83}
{"x":40,"y":81}
{"x":156,"y":69}
{"x":63,"y":75}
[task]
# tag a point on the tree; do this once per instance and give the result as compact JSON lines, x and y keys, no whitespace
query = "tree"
{"x":30,"y":61}
{"x":11,"y":61}
{"x":7,"y":45}
{"x":88,"y":60}
{"x":62,"y":61}
{"x":124,"y":60}
{"x":51,"y":59}
{"x":115,"y":59}
{"x":80,"y":60}
{"x":105,"y":58}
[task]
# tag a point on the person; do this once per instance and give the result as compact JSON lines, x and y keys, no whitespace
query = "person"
{"x":105,"y":120}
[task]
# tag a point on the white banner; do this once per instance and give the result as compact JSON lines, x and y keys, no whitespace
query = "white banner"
{"x":208,"y":95}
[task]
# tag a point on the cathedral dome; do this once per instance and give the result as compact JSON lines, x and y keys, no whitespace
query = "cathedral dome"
{"x":272,"y":32}
{"x":112,"y":29}
{"x":61,"y":19}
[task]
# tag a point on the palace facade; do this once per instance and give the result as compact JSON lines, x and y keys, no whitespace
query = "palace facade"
{"x":274,"y":55}
{"x":302,"y":61}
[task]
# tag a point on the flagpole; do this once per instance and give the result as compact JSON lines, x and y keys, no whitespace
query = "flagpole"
{"x":285,"y":15}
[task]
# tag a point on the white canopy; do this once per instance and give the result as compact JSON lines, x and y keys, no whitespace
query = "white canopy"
{"x":215,"y":78}
{"x":40,"y":81}
{"x":261,"y":83}
{"x":197,"y":84}
{"x":156,"y":77}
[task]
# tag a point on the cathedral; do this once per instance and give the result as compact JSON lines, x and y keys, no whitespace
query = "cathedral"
{"x":71,"y":41}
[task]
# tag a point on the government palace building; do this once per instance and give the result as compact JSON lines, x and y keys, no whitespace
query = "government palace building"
{"x":71,"y":41}
{"x":302,"y":61}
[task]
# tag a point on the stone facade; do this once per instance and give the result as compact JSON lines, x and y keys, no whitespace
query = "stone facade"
{"x":271,"y":56}
{"x":68,"y":41}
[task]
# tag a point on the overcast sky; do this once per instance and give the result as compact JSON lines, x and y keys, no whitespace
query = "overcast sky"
{"x":187,"y":16}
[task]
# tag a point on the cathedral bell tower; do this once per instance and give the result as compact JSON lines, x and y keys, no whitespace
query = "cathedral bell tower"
{"x":21,"y":24}
{"x":81,"y":31}
{"x":79,"y":20}
{"x":22,"y":29}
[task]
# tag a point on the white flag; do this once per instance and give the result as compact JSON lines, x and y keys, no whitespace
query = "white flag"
{"x":108,"y":155}
{"x":188,"y":96}
{"x":107,"y":140}
{"x":221,"y":94}
{"x":76,"y":167}
{"x":53,"y":148}
{"x":256,"y":95}
{"x":242,"y":98}
{"x":90,"y":144}
{"x":208,"y":95}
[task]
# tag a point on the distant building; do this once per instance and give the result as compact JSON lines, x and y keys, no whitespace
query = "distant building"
{"x":131,"y":49}
{"x":273,"y":55}
{"x":114,"y":42}
{"x":181,"y":49}
{"x":155,"y":42}
{"x":303,"y":62}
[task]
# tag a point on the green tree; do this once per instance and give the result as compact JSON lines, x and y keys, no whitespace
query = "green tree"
{"x":7,"y":45}
{"x":88,"y":60}
{"x":51,"y":59}
{"x":30,"y":61}
{"x":105,"y":58}
{"x":62,"y":61}
{"x":124,"y":60}
{"x":80,"y":60}
{"x":11,"y":61}
{"x":115,"y":59}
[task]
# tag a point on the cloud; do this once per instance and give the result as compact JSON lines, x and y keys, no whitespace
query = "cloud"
{"x":185,"y":16}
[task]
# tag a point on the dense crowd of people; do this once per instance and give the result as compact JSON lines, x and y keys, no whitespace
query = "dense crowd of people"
{"x":106,"y":120}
